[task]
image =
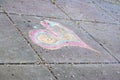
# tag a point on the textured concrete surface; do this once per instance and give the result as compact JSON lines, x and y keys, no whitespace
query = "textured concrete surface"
{"x":13,"y":47}
{"x":32,"y":7}
{"x":107,"y":34}
{"x":84,"y":10}
{"x":87,"y":72}
{"x":30,"y":72}
{"x":1,"y":9}
{"x":111,"y":7}
{"x":65,"y":54}
{"x":96,"y":22}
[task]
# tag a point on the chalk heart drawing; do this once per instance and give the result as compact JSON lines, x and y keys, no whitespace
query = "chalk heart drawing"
{"x":56,"y":36}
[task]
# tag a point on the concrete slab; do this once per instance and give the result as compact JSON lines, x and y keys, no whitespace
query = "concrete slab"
{"x":84,"y":10}
{"x":13,"y":47}
{"x":1,"y":9}
{"x":87,"y":72}
{"x":30,"y":7}
{"x":113,"y":1}
{"x":107,"y":34}
{"x":112,"y":7}
{"x":65,"y":54}
{"x":24,"y":72}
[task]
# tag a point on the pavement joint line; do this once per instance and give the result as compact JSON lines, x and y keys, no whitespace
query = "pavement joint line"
{"x":60,"y":63}
{"x":63,"y":11}
{"x":105,"y":11}
{"x":37,"y":16}
{"x":74,"y":63}
{"x":45,"y":63}
{"x":100,"y":22}
{"x":17,"y":63}
{"x":2,"y":13}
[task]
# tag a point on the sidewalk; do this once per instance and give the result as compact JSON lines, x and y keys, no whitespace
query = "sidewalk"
{"x":96,"y":22}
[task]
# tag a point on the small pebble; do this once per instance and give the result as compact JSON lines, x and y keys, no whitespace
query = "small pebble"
{"x":58,"y":74}
{"x":12,"y":74}
{"x":53,"y":1}
{"x":65,"y":76}
{"x":51,"y":79}
{"x":29,"y":21}
{"x":73,"y":76}
{"x":118,"y":72}
{"x":63,"y":56}
{"x":35,"y":27}
{"x":77,"y":22}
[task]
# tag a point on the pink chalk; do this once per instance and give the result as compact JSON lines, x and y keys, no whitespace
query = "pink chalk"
{"x":56,"y":36}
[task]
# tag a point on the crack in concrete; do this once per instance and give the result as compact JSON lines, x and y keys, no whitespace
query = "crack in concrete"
{"x":60,"y":63}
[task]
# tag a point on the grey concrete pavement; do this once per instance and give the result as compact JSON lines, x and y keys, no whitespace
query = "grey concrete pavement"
{"x":65,"y":54}
{"x":96,"y":22}
{"x":106,"y":34}
{"x":111,"y":7}
{"x":1,"y":9}
{"x":87,"y":72}
{"x":13,"y":47}
{"x":30,"y":7}
{"x":21,"y":72}
{"x":84,"y":10}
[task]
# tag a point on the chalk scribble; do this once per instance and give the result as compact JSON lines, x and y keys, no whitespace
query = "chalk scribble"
{"x":56,"y":36}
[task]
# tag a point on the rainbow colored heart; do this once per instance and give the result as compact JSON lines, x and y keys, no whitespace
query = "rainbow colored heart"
{"x":56,"y":36}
